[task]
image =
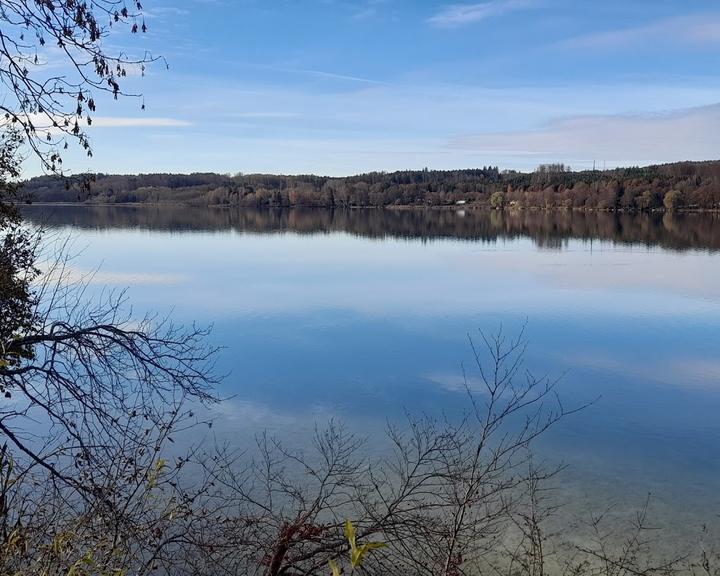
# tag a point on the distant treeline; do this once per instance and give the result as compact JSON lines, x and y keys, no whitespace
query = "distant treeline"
{"x":547,"y":229}
{"x":683,"y":185}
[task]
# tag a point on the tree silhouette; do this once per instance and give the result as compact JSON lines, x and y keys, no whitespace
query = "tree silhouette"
{"x":53,"y":66}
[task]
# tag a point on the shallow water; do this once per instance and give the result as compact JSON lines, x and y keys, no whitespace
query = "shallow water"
{"x":363,"y":315}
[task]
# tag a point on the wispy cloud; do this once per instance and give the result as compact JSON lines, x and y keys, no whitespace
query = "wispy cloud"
{"x":369,"y":9}
{"x":49,"y":123}
{"x":265,"y":115}
{"x":160,"y":11}
{"x":333,"y":76}
{"x":699,"y":29}
{"x":292,"y":70}
{"x":681,"y":135}
{"x":456,"y":15}
{"x":133,"y":122}
{"x":396,"y":126}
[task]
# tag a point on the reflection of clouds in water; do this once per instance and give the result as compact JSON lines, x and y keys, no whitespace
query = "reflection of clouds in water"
{"x":136,"y":278}
{"x":250,"y":415}
{"x":453,"y":382}
{"x":684,"y":372}
{"x":236,"y":415}
{"x":256,"y":274}
{"x":608,"y":267}
{"x":633,"y":324}
{"x":72,"y":274}
{"x":698,"y":370}
{"x":397,"y":278}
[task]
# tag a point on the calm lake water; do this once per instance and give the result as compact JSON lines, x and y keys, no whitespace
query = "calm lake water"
{"x":363,"y":315}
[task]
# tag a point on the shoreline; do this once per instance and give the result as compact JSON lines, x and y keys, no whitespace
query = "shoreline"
{"x":399,"y":207}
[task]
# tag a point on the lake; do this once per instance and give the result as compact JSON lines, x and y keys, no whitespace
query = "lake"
{"x":363,"y":315}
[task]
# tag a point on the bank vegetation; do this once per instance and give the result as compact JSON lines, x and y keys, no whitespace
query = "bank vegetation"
{"x":670,"y":187}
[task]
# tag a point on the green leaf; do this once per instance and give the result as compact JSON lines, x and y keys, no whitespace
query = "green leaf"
{"x":154,"y":474}
{"x":359,"y":553}
{"x":334,"y":567}
{"x":350,"y":534}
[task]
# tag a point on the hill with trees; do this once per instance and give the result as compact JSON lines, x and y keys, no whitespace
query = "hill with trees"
{"x":678,"y":186}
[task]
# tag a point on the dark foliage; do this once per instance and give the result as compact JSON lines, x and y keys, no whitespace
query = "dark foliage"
{"x":685,"y":185}
{"x":17,"y":257}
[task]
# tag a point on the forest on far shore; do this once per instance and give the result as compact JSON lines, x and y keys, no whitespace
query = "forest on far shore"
{"x":677,"y":186}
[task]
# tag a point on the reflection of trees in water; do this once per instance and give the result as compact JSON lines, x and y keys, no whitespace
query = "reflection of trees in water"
{"x":548,"y":229}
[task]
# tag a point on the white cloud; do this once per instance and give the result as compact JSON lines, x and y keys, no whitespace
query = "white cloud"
{"x":45,"y":122}
{"x":457,"y":15}
{"x":692,"y":134}
{"x":132,"y":122}
{"x":689,"y":30}
{"x":407,"y":124}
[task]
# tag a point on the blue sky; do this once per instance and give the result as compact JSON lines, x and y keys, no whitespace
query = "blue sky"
{"x":345,"y":86}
